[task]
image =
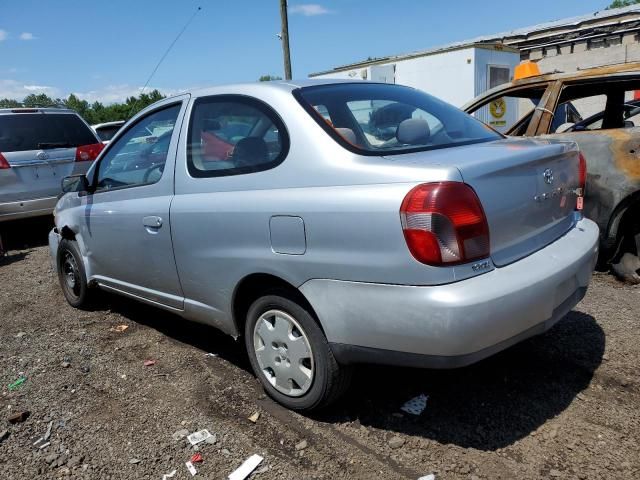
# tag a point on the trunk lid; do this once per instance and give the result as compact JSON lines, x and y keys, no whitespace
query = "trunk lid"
{"x":527,"y":191}
{"x":526,"y":187}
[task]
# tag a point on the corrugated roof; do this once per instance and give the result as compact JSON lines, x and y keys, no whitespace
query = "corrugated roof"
{"x":483,"y":41}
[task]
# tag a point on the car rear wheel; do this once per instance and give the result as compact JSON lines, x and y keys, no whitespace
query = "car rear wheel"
{"x":71,"y":274}
{"x":290,"y":355}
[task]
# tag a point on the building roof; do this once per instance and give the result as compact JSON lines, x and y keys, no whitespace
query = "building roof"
{"x":422,"y":53}
{"x":611,"y":17}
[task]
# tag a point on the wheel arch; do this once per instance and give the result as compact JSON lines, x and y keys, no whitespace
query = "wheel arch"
{"x":253,"y":286}
{"x":615,"y":228}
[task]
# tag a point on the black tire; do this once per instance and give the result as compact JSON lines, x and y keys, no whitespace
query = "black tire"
{"x":330,"y":379}
{"x":70,"y":264}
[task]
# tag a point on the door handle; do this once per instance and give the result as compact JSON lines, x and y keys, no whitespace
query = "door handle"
{"x":152,"y":221}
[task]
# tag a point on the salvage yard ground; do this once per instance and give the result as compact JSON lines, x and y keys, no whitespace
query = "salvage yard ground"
{"x":564,"y":405}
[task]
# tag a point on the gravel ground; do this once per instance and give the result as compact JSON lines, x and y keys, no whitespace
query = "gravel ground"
{"x":562,"y":405}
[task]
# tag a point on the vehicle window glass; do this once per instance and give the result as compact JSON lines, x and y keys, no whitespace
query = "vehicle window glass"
{"x":379,"y":119}
{"x":632,"y":109}
{"x":586,"y":113}
{"x":230,"y":135}
{"x":139,"y":155}
{"x":382,"y":119}
{"x":40,"y":131}
{"x":506,"y":112}
{"x":107,"y":133}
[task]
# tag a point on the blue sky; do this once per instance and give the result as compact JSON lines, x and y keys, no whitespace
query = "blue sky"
{"x":106,"y":50}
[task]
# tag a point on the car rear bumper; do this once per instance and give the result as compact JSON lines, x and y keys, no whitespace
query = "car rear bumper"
{"x":27,"y":208}
{"x":457,"y":324}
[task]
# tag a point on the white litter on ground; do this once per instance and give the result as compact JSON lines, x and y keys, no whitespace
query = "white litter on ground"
{"x":431,"y":476}
{"x":244,"y":470}
{"x":191,"y":468}
{"x":416,"y":405}
{"x":198,"y":437}
{"x":169,"y":475}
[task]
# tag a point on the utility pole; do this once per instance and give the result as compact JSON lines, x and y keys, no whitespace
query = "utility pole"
{"x":285,"y":39}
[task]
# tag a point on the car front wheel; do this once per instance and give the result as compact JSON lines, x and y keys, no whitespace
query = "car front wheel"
{"x":290,"y":354}
{"x":71,"y":274}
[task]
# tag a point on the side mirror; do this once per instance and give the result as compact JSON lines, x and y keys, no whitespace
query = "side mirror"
{"x":75,"y":183}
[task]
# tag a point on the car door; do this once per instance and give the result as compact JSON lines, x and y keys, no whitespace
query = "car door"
{"x":126,"y":227}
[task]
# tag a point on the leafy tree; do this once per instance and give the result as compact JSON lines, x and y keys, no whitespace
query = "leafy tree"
{"x":93,"y":113}
{"x":271,"y":78}
{"x":622,"y":3}
{"x":39,"y":100}
{"x":8,"y":103}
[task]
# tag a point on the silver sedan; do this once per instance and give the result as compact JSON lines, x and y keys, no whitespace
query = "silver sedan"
{"x":331,"y":224}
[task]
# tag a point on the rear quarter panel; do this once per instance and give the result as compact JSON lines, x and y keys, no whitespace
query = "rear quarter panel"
{"x":613,"y":170}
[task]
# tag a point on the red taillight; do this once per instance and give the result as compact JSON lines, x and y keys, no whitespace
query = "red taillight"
{"x":3,"y":163}
{"x":582,"y":180}
{"x":85,"y":153}
{"x":444,"y":224}
{"x":582,"y":172}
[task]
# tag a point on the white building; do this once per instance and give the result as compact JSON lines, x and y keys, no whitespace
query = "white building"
{"x":455,"y":73}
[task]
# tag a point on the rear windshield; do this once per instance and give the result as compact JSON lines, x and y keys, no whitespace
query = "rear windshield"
{"x":41,"y":131}
{"x":107,"y":133}
{"x":383,"y":119}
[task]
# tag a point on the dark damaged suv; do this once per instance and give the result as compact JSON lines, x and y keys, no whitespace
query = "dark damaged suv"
{"x":599,"y":109}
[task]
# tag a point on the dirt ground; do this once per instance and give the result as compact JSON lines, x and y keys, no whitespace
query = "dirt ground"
{"x":562,"y":405}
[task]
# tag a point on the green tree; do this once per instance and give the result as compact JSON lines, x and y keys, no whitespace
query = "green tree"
{"x":269,"y":78}
{"x":39,"y":100}
{"x":622,"y":3}
{"x":9,"y":103}
{"x":93,"y":113}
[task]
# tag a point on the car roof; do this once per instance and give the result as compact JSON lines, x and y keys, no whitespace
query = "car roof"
{"x":621,"y":69}
{"x":36,"y":110}
{"x":282,"y":85}
{"x":115,"y":123}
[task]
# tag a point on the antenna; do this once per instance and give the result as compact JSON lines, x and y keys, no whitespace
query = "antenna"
{"x":164,"y":55}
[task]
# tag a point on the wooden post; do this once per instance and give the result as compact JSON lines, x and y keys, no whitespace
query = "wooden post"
{"x":285,"y":39}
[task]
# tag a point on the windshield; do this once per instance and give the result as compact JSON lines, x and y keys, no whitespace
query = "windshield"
{"x":34,"y":131}
{"x":381,"y":119}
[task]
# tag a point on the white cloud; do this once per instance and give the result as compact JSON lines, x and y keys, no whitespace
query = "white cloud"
{"x":18,"y":90}
{"x":27,"y":36}
{"x":309,"y":9}
{"x":119,"y":93}
{"x":3,"y":34}
{"x":37,"y":88}
{"x":13,"y":89}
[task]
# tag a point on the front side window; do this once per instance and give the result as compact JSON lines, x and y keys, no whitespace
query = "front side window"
{"x":233,"y":134}
{"x":510,"y":113}
{"x":379,"y":119}
{"x":139,"y":155}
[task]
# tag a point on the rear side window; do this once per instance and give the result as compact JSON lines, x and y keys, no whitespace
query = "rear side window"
{"x":234,"y":134}
{"x":383,"y":119}
{"x":40,"y":131}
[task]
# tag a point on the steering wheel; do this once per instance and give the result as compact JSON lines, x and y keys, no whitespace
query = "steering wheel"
{"x":147,"y":174}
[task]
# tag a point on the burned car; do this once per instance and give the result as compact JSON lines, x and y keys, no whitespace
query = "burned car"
{"x":599,"y":110}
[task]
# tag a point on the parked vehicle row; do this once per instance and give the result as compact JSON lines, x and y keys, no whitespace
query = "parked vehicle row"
{"x":38,"y":148}
{"x":328,"y":228}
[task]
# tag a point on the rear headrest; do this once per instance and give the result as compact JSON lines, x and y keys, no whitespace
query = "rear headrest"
{"x":347,"y":134}
{"x":413,"y":131}
{"x":250,"y":151}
